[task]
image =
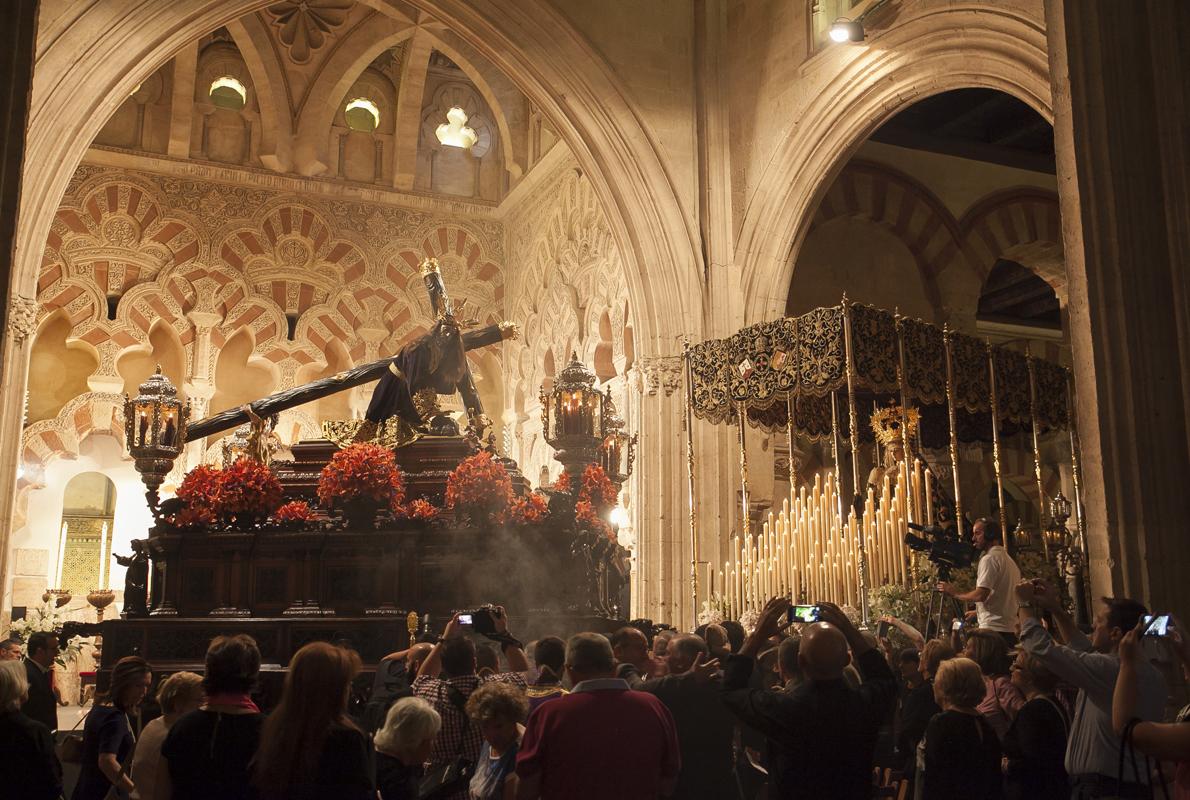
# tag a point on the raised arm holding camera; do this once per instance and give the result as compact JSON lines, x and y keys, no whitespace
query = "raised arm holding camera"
{"x":1092,"y":665}
{"x":453,"y":657}
{"x":996,"y":576}
{"x":822,"y":735}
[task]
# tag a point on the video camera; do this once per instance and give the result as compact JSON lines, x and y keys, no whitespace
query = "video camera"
{"x":941,"y":546}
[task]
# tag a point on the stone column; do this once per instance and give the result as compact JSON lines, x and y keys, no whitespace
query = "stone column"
{"x":662,"y":557}
{"x":1122,"y":109}
{"x":18,"y":38}
{"x":717,"y":446}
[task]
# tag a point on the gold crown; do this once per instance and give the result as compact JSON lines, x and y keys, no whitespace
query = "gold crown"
{"x":429,"y":266}
{"x":886,"y":424}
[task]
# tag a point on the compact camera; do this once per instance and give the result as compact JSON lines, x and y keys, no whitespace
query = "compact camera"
{"x":481,"y":620}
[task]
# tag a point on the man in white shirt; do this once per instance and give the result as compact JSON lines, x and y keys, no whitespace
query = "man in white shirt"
{"x":995,"y":582}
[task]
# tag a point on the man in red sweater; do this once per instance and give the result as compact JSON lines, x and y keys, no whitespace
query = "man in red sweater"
{"x":602,"y":740}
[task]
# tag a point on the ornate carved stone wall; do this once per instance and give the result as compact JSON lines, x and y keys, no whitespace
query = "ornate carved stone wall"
{"x":570,"y":293}
{"x":131,"y":252}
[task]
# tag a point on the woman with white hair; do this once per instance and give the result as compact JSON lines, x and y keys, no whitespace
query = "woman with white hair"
{"x":402,"y":745}
{"x":28,"y":765}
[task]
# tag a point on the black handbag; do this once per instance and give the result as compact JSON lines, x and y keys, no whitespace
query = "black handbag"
{"x":446,"y":779}
{"x":1143,"y":785}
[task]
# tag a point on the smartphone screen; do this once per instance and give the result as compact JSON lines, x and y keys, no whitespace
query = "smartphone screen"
{"x":957,"y":625}
{"x":803,"y":614}
{"x":881,"y":629}
{"x":1156,"y":625}
{"x":465,"y":619}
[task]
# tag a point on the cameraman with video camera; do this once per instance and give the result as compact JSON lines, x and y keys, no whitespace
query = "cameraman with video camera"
{"x":995,"y":583}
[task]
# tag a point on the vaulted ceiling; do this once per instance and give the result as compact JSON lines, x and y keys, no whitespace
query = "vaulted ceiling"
{"x":299,"y":63}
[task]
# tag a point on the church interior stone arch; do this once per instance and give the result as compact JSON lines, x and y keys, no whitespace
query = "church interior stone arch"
{"x":245,"y":201}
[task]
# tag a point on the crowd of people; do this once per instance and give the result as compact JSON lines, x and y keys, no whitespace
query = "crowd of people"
{"x":822,"y":710}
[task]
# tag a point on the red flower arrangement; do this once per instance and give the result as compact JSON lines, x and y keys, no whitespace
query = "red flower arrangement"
{"x":533,"y":507}
{"x":596,"y":498}
{"x":422,"y":510}
{"x":362,"y":471}
{"x":585,"y":512}
{"x":247,"y":489}
{"x":563,"y":483}
{"x":589,"y":518}
{"x":597,"y":489}
{"x":200,"y":492}
{"x":294,"y":511}
{"x":480,"y":488}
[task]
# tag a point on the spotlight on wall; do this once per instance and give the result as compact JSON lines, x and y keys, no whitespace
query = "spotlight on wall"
{"x":851,"y":27}
{"x":846,"y":30}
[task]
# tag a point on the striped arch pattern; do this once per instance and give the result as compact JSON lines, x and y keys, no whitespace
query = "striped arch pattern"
{"x":1021,"y":224}
{"x":295,"y":274}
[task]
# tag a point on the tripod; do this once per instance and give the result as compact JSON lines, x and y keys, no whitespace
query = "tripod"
{"x":940,"y":599}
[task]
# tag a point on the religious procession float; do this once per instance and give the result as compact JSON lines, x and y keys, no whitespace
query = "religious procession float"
{"x":923,"y":405}
{"x":364,"y":535}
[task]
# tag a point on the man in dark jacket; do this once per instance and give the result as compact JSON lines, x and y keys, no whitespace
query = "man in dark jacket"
{"x":821,"y":736}
{"x":693,"y":694}
{"x":42,"y":704}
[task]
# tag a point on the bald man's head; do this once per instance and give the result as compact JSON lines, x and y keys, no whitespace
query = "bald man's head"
{"x":416,"y":655}
{"x":823,"y":652}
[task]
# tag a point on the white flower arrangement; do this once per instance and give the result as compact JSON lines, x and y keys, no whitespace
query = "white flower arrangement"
{"x":714,"y":611}
{"x":45,"y":619}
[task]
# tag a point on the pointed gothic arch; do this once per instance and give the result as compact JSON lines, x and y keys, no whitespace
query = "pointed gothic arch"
{"x":1002,"y":49}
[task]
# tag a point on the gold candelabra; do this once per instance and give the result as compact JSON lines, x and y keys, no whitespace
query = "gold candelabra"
{"x":99,"y":600}
{"x":60,"y":597}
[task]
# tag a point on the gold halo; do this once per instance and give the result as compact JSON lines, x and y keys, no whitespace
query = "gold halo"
{"x":886,"y":424}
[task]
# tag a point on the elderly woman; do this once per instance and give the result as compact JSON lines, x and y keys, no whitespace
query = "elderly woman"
{"x":498,"y":709}
{"x":178,"y":694}
{"x":960,"y":754}
{"x":28,"y":766}
{"x":107,"y":734}
{"x":403,"y":744}
{"x":1035,"y":745}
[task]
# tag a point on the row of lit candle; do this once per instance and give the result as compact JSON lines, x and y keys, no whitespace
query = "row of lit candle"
{"x":807,"y":551}
{"x":577,"y":413}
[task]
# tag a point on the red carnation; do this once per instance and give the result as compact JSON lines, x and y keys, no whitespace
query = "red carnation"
{"x":200,"y":491}
{"x":480,"y":488}
{"x":294,"y":511}
{"x":362,"y":471}
{"x":534,"y":507}
{"x":247,"y":488}
{"x":421,"y":509}
{"x":597,"y":489}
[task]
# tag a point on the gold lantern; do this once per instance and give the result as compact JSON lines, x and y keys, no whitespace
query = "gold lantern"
{"x":572,"y":417}
{"x":1057,"y":537}
{"x":155,"y":431}
{"x":618,"y":450}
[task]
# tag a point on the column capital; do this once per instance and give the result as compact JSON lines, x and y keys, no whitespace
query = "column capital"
{"x":662,"y":373}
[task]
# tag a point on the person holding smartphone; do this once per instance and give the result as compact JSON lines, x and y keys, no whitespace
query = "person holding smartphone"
{"x":449,"y":676}
{"x":1092,"y":664}
{"x":1164,"y":741}
{"x":822,"y":735}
